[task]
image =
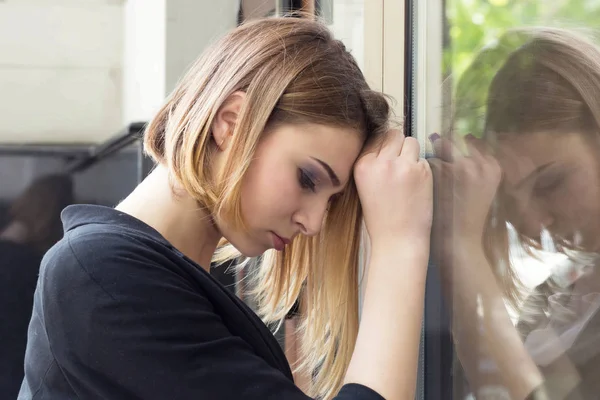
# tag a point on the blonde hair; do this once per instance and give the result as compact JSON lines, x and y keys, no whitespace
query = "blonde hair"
{"x":292,"y":71}
{"x":551,"y":83}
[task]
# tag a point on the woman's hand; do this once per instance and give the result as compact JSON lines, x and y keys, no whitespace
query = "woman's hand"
{"x":465,"y":187}
{"x":396,"y":192}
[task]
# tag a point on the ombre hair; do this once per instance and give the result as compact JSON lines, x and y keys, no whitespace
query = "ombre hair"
{"x":293,"y":71}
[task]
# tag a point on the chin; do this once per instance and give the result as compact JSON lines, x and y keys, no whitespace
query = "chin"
{"x":248,"y":248}
{"x":251,"y":253}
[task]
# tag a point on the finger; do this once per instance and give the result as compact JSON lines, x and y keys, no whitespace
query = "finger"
{"x":392,"y":146}
{"x":441,"y":170}
{"x":426,"y":165}
{"x":434,"y":163}
{"x":410,"y":149}
{"x":444,"y":149}
{"x":481,"y":153}
{"x":476,"y":148}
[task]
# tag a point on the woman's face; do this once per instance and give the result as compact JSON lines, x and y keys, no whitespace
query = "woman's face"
{"x":552,"y":181}
{"x":297,"y":170}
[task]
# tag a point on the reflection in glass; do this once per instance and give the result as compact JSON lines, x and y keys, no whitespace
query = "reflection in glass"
{"x":517,"y":229}
{"x":30,"y":226}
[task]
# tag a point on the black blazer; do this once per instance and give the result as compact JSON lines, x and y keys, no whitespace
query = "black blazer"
{"x":19,"y":266}
{"x":119,"y":313}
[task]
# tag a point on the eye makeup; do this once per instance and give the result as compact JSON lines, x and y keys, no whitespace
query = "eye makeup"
{"x":551,"y":179}
{"x":548,"y":183}
{"x":307,"y":179}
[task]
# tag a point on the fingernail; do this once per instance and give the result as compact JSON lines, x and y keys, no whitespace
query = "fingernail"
{"x":433,"y":137}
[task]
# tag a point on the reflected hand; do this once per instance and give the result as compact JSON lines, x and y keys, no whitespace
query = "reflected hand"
{"x":464,"y":187}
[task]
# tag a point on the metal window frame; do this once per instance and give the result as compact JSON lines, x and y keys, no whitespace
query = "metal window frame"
{"x":79,"y":158}
{"x":424,"y":110}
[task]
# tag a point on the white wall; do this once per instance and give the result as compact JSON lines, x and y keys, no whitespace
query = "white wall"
{"x":162,"y":39}
{"x":191,"y":26}
{"x":144,"y":58}
{"x":80,"y":70}
{"x":60,"y":70}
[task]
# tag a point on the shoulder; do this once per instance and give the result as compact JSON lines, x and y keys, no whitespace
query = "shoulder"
{"x":113,"y":259}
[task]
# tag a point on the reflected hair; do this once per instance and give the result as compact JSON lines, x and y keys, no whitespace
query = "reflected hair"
{"x":39,"y":207}
{"x":551,"y":84}
{"x":293,"y":72}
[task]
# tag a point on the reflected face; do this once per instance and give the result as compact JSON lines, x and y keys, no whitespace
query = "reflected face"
{"x":296,"y":172}
{"x":552,"y":181}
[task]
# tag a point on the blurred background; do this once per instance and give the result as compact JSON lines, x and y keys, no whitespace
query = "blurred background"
{"x":80,"y":78}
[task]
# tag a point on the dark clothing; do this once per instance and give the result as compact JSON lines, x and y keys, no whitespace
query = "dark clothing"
{"x":19,"y":267}
{"x":119,"y":313}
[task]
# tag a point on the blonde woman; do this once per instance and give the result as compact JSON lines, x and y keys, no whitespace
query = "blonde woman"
{"x":537,"y":167}
{"x":272,"y":145}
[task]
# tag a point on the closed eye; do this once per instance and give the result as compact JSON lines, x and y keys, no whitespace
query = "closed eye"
{"x":306,"y":181}
{"x":547,"y":186}
{"x":549,"y":182}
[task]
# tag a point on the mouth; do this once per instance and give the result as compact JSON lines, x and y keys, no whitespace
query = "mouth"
{"x":279,"y":242}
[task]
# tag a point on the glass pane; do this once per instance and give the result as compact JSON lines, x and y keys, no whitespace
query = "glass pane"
{"x":516,"y":87}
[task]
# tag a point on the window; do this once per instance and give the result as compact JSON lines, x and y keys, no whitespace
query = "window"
{"x":517,"y":80}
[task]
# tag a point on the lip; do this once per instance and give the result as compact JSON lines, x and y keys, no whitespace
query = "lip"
{"x":279,"y":242}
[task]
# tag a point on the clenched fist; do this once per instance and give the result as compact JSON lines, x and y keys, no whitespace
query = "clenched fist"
{"x":396,"y":191}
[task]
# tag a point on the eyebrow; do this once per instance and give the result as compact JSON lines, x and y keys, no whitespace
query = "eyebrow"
{"x":332,"y":176}
{"x":535,"y":172}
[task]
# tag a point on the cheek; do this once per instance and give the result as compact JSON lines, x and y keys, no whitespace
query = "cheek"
{"x":577,"y":200}
{"x":269,"y":193}
{"x":586,"y":187}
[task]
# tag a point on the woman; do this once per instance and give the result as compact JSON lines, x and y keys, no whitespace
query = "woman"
{"x":257,"y":153}
{"x":537,"y":169}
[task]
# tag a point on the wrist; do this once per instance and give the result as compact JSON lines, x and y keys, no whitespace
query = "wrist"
{"x":400,"y":260}
{"x":401,"y":245}
{"x":409,"y":239}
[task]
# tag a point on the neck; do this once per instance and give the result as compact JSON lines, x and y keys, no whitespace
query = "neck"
{"x":177,"y":217}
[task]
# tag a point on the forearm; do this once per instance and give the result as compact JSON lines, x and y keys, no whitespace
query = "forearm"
{"x":292,"y":352}
{"x":386,"y":353}
{"x":472,"y":285}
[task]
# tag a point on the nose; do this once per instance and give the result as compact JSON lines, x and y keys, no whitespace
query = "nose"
{"x":310,"y":217}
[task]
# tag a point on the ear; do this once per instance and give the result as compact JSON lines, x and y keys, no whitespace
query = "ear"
{"x":226,"y":118}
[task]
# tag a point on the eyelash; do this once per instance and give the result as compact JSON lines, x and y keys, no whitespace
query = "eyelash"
{"x":306,"y":182}
{"x":549,"y":185}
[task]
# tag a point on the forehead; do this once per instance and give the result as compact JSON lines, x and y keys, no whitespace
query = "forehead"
{"x":520,"y":155}
{"x":339,"y":147}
